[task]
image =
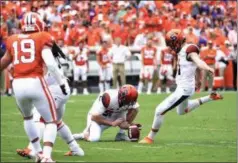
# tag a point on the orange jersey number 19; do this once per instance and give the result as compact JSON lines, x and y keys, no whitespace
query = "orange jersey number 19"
{"x":27,"y":47}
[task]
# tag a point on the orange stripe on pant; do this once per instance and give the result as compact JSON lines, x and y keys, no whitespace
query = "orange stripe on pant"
{"x":49,"y":98}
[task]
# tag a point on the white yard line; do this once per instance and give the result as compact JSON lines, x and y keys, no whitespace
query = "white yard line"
{"x":14,"y":136}
{"x":10,"y":114}
{"x":115,"y":149}
{"x":203,"y":145}
{"x":144,"y":146}
{"x":209,"y":129}
{"x":186,"y":144}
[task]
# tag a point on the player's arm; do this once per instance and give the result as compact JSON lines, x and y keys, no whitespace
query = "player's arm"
{"x":200,"y":63}
{"x":155,"y":58}
{"x":198,"y":78}
{"x":130,"y":117}
{"x":5,"y":61}
{"x":98,"y":59}
{"x":142,"y":57}
{"x":103,"y":121}
{"x":52,"y":66}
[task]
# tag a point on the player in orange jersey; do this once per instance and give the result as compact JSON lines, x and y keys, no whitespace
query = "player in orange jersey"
{"x":81,"y":68}
{"x":29,"y":52}
{"x":148,"y":58}
{"x":105,"y":67}
{"x":168,"y":64}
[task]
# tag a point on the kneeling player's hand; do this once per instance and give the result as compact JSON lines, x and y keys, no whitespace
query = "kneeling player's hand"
{"x":139,"y":126}
{"x":117,"y":122}
{"x":63,"y":89}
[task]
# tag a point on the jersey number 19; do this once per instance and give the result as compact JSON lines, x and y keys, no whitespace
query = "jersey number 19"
{"x":27,"y":46}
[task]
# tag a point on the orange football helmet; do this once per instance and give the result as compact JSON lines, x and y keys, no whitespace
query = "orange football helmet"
{"x":127,"y":95}
{"x":32,"y":22}
{"x":174,"y":39}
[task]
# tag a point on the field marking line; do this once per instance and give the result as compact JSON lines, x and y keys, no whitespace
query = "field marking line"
{"x":115,"y":149}
{"x":143,"y":146}
{"x":186,"y":144}
{"x":10,"y":114}
{"x":13,"y":136}
{"x":209,"y":129}
{"x":197,"y":144}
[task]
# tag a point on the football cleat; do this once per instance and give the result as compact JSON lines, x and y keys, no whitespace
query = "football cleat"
{"x":216,"y":96}
{"x":146,"y":140}
{"x":47,"y":160}
{"x":80,"y":152}
{"x":78,"y":136}
{"x":121,"y":137}
{"x":39,"y":157}
{"x":85,"y":92}
{"x":24,"y":152}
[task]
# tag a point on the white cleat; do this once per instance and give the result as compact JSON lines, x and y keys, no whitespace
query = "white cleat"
{"x":168,"y":90}
{"x":85,"y":92}
{"x":78,"y":136}
{"x":139,"y":92}
{"x":148,"y":92}
{"x":47,"y":160}
{"x":38,"y":157}
{"x":78,"y":152}
{"x":74,"y":93}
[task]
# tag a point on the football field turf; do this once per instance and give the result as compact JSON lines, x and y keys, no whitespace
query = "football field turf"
{"x":207,"y":134}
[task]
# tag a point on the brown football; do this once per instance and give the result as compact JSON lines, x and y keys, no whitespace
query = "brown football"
{"x":134,"y":133}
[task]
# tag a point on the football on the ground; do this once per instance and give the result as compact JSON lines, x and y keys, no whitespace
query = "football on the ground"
{"x":134,"y":133}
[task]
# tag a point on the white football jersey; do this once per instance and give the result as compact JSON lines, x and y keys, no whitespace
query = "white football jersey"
{"x":50,"y":79}
{"x":110,"y":108}
{"x":186,"y":70}
{"x":82,"y":55}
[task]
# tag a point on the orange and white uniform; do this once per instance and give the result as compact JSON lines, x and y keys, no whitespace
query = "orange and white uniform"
{"x":105,"y":65}
{"x":166,"y":69}
{"x":81,"y":64}
{"x":148,"y":55}
{"x":30,"y":54}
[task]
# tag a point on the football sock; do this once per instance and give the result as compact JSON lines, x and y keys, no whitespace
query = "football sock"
{"x":40,"y":126}
{"x":107,"y":85}
{"x":167,"y":89}
{"x":159,"y":90}
{"x":121,"y":131}
{"x":149,"y":87}
{"x":100,"y":87}
{"x":66,"y":135}
{"x":33,"y":135}
{"x":140,"y":86}
{"x":49,"y":138}
{"x":193,"y":104}
{"x":158,"y":120}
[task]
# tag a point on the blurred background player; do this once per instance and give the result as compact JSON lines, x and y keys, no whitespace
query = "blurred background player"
{"x":167,"y":66}
{"x":81,"y":68}
{"x":67,"y":63}
{"x":148,"y":65}
{"x":105,"y":67}
{"x":187,"y":79}
{"x":119,"y":54}
{"x":111,"y":109}
{"x":208,"y":55}
{"x":222,"y":62}
{"x":29,"y":53}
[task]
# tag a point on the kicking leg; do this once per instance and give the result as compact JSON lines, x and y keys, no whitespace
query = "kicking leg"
{"x":169,"y":103}
{"x":190,"y":105}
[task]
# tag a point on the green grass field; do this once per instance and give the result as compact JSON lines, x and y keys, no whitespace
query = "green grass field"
{"x":206,"y":135}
